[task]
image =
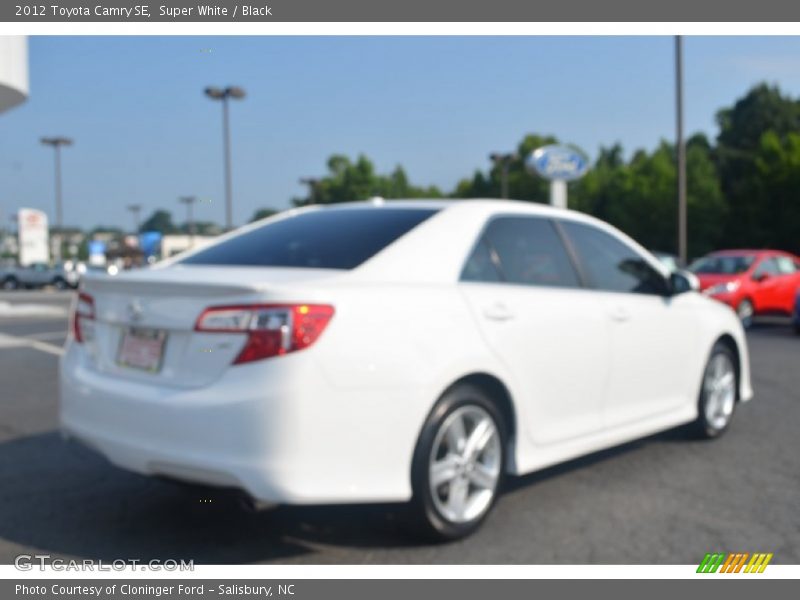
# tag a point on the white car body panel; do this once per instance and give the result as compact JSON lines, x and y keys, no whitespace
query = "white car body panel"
{"x":338,"y":421}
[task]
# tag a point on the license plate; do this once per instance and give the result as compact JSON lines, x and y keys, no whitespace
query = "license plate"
{"x":142,"y":349}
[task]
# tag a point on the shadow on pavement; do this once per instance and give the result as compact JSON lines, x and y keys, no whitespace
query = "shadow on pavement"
{"x":62,"y":499}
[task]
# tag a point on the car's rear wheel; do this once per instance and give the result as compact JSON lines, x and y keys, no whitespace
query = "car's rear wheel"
{"x":59,"y":283}
{"x":718,"y":393}
{"x":746,"y":311}
{"x":458,"y":464}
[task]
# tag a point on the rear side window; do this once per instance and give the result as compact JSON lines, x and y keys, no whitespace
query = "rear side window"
{"x":318,"y":239}
{"x":522,"y":250}
{"x":612,"y":265}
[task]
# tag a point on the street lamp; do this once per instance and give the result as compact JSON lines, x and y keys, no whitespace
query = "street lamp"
{"x":135,"y":209}
{"x":681,"y":150}
{"x":313,"y":184}
{"x":503,"y":160}
{"x":223,"y":94}
{"x":56,"y":143}
{"x":189,"y":201}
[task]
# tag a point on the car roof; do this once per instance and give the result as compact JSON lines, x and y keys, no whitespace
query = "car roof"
{"x":493,"y":204}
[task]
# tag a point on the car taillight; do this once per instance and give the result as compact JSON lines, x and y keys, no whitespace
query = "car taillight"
{"x":83,"y":318}
{"x":272,"y":329}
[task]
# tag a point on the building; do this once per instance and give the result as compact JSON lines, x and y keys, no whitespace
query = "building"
{"x":13,"y":71}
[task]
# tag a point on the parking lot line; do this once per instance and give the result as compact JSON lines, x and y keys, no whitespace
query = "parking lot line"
{"x":12,"y":341}
{"x":48,"y":335}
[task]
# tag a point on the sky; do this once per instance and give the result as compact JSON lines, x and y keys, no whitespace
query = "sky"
{"x":145,"y":133}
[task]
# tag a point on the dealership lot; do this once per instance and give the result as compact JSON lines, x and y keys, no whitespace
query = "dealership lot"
{"x":666,"y":499}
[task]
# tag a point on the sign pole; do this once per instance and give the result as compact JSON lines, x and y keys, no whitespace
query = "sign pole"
{"x":558,"y":193}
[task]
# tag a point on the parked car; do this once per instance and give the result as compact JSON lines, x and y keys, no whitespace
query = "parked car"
{"x":60,"y":276}
{"x":401,"y":351}
{"x":796,"y":315}
{"x":752,"y":282}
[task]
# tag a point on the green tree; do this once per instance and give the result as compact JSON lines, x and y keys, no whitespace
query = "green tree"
{"x":740,"y":144}
{"x":777,"y":164}
{"x":263,"y":213}
{"x":521,"y":185}
{"x":349,"y":181}
{"x":160,"y":220}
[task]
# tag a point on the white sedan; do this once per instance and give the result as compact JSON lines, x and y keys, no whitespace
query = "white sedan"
{"x":395,"y":351}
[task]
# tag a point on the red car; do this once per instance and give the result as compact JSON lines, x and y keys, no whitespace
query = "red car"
{"x":752,"y":282}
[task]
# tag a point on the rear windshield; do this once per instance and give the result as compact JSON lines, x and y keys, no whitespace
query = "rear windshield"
{"x":318,"y":239}
{"x":730,"y":264}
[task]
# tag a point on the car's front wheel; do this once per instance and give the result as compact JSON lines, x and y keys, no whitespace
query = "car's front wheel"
{"x":718,"y":393}
{"x":458,"y":464}
{"x":10,"y":283}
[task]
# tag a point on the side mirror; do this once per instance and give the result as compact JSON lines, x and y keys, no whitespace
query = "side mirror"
{"x":761,"y":277}
{"x":683,"y":281}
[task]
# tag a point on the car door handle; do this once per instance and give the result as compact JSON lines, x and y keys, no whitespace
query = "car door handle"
{"x":620,"y":314}
{"x":498,"y":312}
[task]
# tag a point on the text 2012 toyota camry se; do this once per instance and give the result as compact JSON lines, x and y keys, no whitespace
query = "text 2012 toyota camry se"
{"x":393,"y":351}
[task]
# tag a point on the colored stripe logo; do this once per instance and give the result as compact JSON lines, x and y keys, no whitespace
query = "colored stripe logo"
{"x":736,"y":562}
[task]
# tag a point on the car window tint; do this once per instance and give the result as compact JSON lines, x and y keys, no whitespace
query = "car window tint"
{"x":528,"y":250}
{"x":785,"y":265}
{"x":612,"y":265}
{"x":480,"y":266}
{"x":768,"y":266}
{"x":336,"y":238}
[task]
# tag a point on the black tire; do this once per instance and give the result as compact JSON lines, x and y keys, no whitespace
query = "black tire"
{"x":429,"y":521}
{"x":746,"y":312}
{"x":706,"y":426}
{"x":59,"y":283}
{"x":10,"y":283}
{"x":797,"y":328}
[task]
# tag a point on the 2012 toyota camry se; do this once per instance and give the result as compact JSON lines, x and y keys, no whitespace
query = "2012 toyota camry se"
{"x":396,"y":351}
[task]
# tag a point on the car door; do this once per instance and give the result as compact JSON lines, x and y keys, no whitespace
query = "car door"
{"x":766,"y":285}
{"x":547,"y":330}
{"x":652,"y":332}
{"x":37,"y":274}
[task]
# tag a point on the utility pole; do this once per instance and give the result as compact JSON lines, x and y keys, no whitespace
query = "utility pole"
{"x":189,"y":202}
{"x":503,"y":160}
{"x":680,"y":146}
{"x":135,"y":210}
{"x":224,"y":94}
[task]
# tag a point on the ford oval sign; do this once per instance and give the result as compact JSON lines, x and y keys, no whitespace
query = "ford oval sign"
{"x":558,"y":162}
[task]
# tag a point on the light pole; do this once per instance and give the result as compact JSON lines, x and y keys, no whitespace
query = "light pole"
{"x":135,"y":209}
{"x":312,"y":183}
{"x":681,"y":150}
{"x":56,"y":143}
{"x":189,"y":202}
{"x":504,"y":162}
{"x":223,"y":94}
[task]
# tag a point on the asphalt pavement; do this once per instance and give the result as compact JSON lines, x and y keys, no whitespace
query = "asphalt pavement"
{"x":667,"y":499}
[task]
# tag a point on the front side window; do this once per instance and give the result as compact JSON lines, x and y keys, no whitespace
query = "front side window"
{"x":521,"y":250}
{"x":768,"y":266}
{"x":610,"y":264}
{"x":727,"y":264}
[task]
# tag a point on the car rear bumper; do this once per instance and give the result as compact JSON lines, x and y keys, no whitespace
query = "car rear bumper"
{"x":268,"y":428}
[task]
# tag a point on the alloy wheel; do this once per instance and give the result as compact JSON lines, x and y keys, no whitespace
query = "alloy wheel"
{"x":719,"y":384}
{"x":465,"y":464}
